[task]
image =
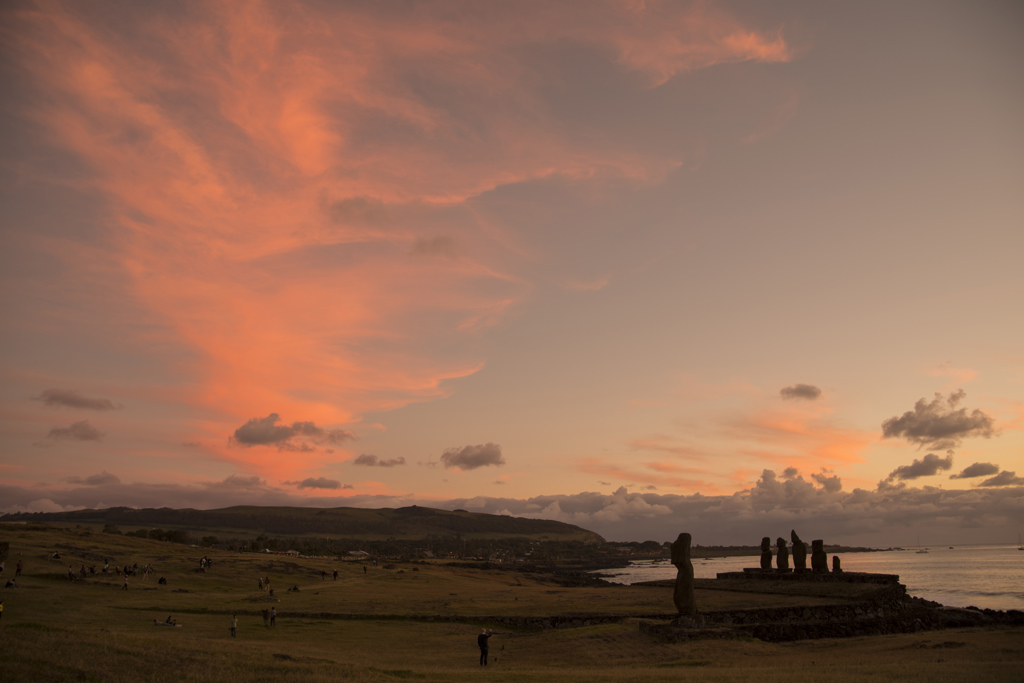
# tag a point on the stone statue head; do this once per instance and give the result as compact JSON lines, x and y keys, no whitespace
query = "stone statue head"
{"x":681,"y":549}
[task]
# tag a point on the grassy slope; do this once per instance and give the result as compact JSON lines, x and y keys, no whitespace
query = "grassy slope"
{"x":402,"y":523}
{"x":53,"y":629}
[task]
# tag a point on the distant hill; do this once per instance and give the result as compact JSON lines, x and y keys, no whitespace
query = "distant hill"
{"x":408,"y":523}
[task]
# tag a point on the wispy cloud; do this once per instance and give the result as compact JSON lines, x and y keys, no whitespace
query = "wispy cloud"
{"x":803,"y":437}
{"x":947,"y":369}
{"x":370,"y":460}
{"x":316,"y":483}
{"x":66,"y":398}
{"x":77,"y":431}
{"x":791,"y":437}
{"x":102,"y":479}
{"x":805,"y":391}
{"x":239,"y":482}
{"x":269,"y":170}
{"x":666,"y":474}
{"x":434,"y":246}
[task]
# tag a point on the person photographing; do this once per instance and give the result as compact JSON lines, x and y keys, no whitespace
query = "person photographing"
{"x":482,"y":641}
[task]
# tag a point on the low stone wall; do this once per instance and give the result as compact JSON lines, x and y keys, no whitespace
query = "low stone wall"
{"x":526,"y":622}
{"x":819,"y":613}
{"x":890,"y":613}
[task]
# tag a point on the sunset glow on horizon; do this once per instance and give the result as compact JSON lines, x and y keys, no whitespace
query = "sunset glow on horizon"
{"x":631,"y":265}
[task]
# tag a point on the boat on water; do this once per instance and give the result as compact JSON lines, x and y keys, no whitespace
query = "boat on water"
{"x":919,"y":548}
{"x":1019,"y":546}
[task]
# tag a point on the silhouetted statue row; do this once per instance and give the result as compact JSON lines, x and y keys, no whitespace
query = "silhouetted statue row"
{"x":819,"y":560}
{"x":683,"y":595}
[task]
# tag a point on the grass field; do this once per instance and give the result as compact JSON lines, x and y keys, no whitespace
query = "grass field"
{"x":375,"y":625}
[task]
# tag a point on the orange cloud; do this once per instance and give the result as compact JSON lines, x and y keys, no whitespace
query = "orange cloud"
{"x":668,"y":444}
{"x":957,"y":375}
{"x":799,"y":435}
{"x":268,"y":171}
{"x":663,"y":41}
{"x":803,"y":438}
{"x":656,"y":474}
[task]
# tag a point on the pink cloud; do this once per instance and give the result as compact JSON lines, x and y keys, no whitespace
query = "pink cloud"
{"x":659,"y":474}
{"x":671,"y":445}
{"x":798,"y":435}
{"x":662,"y":40}
{"x":801,"y":437}
{"x":956,"y":375}
{"x":229,"y":142}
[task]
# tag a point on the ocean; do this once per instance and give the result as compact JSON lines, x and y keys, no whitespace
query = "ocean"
{"x":986,"y":576}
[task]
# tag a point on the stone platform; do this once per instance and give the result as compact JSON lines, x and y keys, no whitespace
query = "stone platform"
{"x":879,"y":605}
{"x":758,"y":574}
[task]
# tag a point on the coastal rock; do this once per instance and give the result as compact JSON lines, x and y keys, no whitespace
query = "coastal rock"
{"x":766,"y":553}
{"x":683,"y":596}
{"x":836,"y":568}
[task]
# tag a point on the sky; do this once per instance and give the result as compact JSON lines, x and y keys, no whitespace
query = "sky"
{"x":646,"y":267}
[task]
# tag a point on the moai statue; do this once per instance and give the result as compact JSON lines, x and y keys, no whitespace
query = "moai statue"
{"x":836,"y":569}
{"x":799,"y":553}
{"x":766,"y":553}
{"x":782,"y":557}
{"x":819,"y":560}
{"x":683,"y":596}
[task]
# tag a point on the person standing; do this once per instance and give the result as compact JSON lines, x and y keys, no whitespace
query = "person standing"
{"x":481,"y":640}
{"x":266,"y":618}
{"x":1,"y":610}
{"x":17,"y":569}
{"x":234,"y":625}
{"x":273,"y":617}
{"x":125,"y":586}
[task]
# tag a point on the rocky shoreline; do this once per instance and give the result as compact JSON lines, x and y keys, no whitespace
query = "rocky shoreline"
{"x":885,"y":611}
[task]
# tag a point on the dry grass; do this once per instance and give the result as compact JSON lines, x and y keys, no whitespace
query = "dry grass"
{"x":56,"y":630}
